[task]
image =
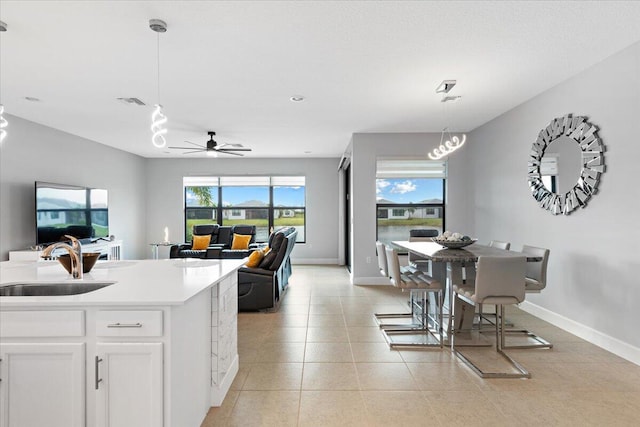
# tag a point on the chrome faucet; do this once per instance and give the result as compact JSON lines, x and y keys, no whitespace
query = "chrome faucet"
{"x":75,"y":253}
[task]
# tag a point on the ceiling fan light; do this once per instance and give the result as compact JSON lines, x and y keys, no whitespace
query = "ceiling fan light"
{"x":212,"y":153}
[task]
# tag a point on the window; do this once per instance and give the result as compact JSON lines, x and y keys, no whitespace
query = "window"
{"x":266,"y":202}
{"x":289,"y":203}
{"x":410,"y":194}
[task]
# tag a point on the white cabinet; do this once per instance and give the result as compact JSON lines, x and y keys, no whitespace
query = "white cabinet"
{"x":128,"y":383}
{"x":42,"y":384}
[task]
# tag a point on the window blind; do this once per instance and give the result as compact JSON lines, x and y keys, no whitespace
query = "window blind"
{"x":411,"y":168}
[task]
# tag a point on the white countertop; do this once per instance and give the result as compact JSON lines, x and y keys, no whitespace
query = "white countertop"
{"x":138,"y":282}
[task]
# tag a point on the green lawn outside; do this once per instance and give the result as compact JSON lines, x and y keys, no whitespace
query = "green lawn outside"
{"x":100,"y":230}
{"x":297,"y":220}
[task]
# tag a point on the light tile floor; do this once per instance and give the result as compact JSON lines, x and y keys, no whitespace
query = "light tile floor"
{"x":322,"y":361}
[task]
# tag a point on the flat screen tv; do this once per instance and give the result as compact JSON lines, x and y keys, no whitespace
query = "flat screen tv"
{"x":77,"y":211}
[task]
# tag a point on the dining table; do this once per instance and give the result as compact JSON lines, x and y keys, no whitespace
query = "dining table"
{"x":457,"y":265}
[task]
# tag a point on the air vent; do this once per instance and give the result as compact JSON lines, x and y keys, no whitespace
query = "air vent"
{"x":135,"y":101}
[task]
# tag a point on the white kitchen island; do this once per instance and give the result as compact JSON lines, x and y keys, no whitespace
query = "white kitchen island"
{"x":158,"y":347}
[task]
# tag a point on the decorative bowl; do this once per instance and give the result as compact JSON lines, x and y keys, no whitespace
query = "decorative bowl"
{"x":88,"y":261}
{"x":453,"y":244}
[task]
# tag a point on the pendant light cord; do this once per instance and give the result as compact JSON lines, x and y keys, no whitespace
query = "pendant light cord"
{"x":158,"y":51}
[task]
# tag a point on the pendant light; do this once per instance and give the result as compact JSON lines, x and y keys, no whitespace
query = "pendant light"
{"x":3,"y":122}
{"x":448,"y":143}
{"x":158,"y":119}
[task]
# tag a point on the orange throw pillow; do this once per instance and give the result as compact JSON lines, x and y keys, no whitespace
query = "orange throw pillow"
{"x":254,"y":259}
{"x":201,"y":242}
{"x":240,"y":241}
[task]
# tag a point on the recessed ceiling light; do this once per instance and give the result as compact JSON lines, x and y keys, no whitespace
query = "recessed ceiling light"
{"x":32,"y":98}
{"x":297,"y":98}
{"x":307,"y":152}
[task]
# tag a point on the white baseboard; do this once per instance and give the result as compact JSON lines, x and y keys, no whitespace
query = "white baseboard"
{"x":609,"y":343}
{"x":378,"y":280}
{"x":218,"y":393}
{"x":315,"y":261}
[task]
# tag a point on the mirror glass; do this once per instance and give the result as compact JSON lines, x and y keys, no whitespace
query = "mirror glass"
{"x":561,"y":165}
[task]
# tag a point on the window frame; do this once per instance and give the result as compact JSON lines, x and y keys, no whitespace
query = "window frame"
{"x":395,"y":206}
{"x":219,"y":209}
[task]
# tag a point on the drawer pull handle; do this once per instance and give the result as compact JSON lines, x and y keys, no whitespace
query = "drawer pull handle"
{"x":98,"y":379}
{"x":124,"y":325}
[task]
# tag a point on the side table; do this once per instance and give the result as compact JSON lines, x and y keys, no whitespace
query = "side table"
{"x":155,"y":246}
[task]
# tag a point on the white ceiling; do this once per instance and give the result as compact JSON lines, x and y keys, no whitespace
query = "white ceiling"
{"x":232,"y":66}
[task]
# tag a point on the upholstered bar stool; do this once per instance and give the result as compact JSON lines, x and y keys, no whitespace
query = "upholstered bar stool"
{"x":536,"y":281}
{"x":499,"y":281}
{"x":384,"y":271}
{"x":481,"y":314}
{"x":424,"y":285}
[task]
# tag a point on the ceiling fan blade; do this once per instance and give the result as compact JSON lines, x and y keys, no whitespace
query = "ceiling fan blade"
{"x":230,"y":152}
{"x":194,"y":151}
{"x":188,"y":148}
{"x":230,"y":145}
{"x":193,"y":143}
{"x":232,"y":149}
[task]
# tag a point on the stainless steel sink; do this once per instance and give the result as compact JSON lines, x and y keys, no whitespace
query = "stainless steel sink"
{"x":36,"y":289}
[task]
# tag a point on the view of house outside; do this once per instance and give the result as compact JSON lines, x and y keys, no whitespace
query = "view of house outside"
{"x":404,"y":204}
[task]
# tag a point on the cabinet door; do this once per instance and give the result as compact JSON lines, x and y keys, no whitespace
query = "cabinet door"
{"x":42,"y":385}
{"x":129,"y":384}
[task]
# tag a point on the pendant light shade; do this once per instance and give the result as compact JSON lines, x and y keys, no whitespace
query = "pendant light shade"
{"x":158,"y":119}
{"x":3,"y":121}
{"x":3,"y":124}
{"x":448,"y":143}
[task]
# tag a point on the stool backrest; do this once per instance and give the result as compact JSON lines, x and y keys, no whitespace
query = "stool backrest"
{"x":500,"y":278}
{"x":537,"y":270}
{"x":500,"y":245}
{"x":420,"y":235}
{"x":393,"y":265}
{"x":382,"y":258}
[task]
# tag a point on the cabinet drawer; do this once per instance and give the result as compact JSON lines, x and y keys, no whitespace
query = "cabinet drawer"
{"x":139,"y":323}
{"x":41,"y":324}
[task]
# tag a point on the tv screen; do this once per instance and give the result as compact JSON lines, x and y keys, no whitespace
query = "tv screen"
{"x":62,"y":209}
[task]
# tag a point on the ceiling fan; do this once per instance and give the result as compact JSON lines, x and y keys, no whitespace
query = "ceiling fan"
{"x":212,"y":148}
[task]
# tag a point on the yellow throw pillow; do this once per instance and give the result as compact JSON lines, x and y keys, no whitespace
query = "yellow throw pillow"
{"x":240,"y":241}
{"x":254,"y":259}
{"x":201,"y":242}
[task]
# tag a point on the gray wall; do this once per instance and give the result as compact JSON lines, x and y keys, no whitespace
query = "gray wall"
{"x":145,"y":195}
{"x":594,"y":263}
{"x":32,"y":152}
{"x":366,"y":149}
{"x":165,"y":197}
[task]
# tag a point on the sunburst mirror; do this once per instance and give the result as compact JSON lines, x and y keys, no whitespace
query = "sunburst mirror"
{"x":565,"y":164}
